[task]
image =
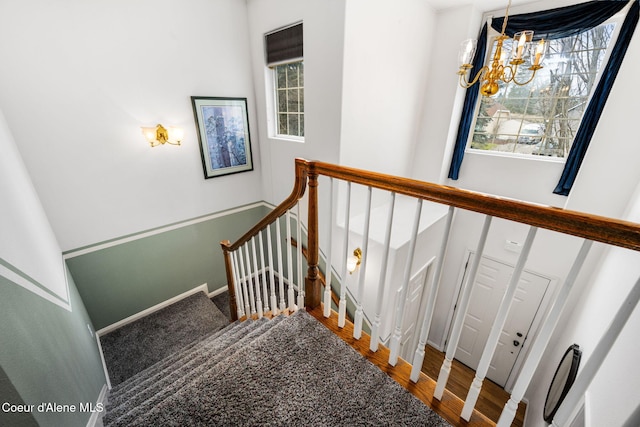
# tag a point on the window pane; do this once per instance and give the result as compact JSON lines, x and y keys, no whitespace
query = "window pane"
{"x":282,"y":100}
{"x":542,"y":117}
{"x":301,"y":74}
{"x":301,"y":124}
{"x":282,"y":124}
{"x":292,"y":75}
{"x":293,"y":124}
{"x":292,"y":100}
{"x":281,"y":74}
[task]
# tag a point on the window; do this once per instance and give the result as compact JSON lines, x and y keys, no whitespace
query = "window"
{"x":289,"y":83}
{"x":557,"y":23}
{"x":284,"y":54}
{"x":542,"y":117}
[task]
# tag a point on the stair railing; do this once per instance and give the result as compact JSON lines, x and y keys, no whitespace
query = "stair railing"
{"x":592,"y":228}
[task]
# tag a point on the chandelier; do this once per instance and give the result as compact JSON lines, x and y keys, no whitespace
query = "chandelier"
{"x":498,"y":69}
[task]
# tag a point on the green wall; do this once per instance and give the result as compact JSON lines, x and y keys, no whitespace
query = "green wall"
{"x":47,"y":355}
{"x":124,"y":279}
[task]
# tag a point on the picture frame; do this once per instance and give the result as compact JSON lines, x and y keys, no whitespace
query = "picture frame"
{"x":223,"y":133}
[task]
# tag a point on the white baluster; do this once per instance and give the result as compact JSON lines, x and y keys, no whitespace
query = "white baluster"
{"x":272,"y":280}
{"x":401,"y":300}
{"x":359,"y":314}
{"x":342,"y":305}
{"x":283,"y":304}
{"x":256,"y":282}
{"x":299,"y":257}
{"x":237,"y":286}
{"x":445,"y":370}
{"x":542,"y":339}
{"x":328,"y":275}
{"x":265,"y":293}
{"x":375,"y":327}
{"x":252,"y":300}
{"x":290,"y":294}
{"x":496,"y":328}
{"x":245,"y":295}
{"x":597,"y":357}
{"x":418,"y":357}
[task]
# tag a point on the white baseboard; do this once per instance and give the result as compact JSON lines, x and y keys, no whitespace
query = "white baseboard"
{"x":148,"y":311}
{"x":104,"y":364}
{"x":100,"y":405}
{"x":222,"y":289}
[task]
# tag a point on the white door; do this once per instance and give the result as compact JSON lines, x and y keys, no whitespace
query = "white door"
{"x":488,"y":290}
{"x":412,"y":316}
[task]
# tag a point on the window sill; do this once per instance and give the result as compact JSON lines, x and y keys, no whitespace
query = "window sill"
{"x":515,"y":156}
{"x":289,"y":138}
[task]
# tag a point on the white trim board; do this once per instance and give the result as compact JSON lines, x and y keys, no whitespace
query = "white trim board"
{"x":222,"y":289}
{"x":148,"y":311}
{"x":102,"y":400}
{"x":108,"y":244}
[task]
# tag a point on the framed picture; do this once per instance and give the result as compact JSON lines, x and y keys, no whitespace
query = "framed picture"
{"x":223,"y":132}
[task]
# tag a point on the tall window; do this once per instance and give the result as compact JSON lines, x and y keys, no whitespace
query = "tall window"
{"x":289,"y":84}
{"x":542,"y":117}
{"x":284,"y":55}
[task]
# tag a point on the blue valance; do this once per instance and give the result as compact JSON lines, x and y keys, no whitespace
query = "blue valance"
{"x":553,"y":24}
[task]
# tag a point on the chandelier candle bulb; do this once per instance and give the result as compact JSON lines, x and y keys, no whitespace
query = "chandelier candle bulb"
{"x":467,"y":50}
{"x":540,"y":49}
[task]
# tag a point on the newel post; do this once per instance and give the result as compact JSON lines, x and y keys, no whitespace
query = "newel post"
{"x":312,"y":281}
{"x":233,"y":305}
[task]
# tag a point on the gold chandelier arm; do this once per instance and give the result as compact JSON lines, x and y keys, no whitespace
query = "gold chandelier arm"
{"x":511,"y":75}
{"x":524,"y":83}
{"x":467,"y":84}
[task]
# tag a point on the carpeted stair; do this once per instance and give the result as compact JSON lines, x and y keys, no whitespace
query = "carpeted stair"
{"x":289,"y":371}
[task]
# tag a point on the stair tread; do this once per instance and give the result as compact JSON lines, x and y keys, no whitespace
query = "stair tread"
{"x":169,"y":360}
{"x":183,"y":371}
{"x":285,"y":388}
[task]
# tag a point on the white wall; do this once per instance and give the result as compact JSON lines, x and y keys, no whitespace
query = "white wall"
{"x":323,"y":24}
{"x":29,"y":253}
{"x":443,"y":100}
{"x":604,"y":186}
{"x":387,"y":50}
{"x":80,"y":79}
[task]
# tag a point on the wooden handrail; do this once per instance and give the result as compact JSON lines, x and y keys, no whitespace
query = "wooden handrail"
{"x":299,"y":188}
{"x":593,"y":227}
{"x":611,"y":231}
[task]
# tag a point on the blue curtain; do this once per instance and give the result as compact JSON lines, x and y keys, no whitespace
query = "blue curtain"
{"x":596,"y":105}
{"x":554,"y":24}
{"x":470,"y":99}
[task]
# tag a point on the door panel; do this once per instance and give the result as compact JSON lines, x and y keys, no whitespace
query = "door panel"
{"x":491,"y":283}
{"x":412,"y":314}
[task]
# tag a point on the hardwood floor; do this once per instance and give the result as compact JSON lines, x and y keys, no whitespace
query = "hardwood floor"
{"x":448,"y":408}
{"x":491,"y":400}
{"x":492,"y":397}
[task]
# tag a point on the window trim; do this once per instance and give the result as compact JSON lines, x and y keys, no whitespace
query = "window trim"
{"x":577,"y":17}
{"x":276,"y":112}
{"x":618,"y":19}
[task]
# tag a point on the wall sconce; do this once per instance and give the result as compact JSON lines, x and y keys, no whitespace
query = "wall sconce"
{"x":353,"y":261}
{"x":160,"y":135}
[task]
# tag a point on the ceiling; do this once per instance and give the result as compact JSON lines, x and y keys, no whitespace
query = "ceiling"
{"x":481,"y":4}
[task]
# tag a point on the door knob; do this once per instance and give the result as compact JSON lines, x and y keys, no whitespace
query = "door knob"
{"x":516,"y":343}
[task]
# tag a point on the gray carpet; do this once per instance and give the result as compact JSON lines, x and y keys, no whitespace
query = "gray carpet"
{"x":290,"y":371}
{"x":138,"y":345}
{"x":222,"y":302}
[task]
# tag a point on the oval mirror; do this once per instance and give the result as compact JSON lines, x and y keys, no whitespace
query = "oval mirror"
{"x":562,"y":380}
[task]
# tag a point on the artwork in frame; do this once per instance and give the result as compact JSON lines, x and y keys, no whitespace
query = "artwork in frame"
{"x":223,"y":132}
